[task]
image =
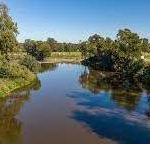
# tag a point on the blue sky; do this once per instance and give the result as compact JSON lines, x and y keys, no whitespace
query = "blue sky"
{"x":74,"y":20}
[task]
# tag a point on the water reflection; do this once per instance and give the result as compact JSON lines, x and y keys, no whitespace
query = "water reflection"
{"x":10,"y":126}
{"x":111,"y":110}
{"x":127,"y":98}
{"x":47,"y":67}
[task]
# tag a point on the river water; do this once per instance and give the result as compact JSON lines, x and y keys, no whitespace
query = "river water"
{"x":68,"y":105}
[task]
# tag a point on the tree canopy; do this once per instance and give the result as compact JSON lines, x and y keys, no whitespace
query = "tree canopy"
{"x":8,"y":31}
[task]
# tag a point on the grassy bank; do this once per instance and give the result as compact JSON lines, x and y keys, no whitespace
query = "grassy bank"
{"x":9,"y":85}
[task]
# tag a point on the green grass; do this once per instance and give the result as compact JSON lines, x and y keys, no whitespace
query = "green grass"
{"x":9,"y":85}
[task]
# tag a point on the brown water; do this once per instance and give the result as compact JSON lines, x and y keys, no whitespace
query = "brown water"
{"x":69,"y":106}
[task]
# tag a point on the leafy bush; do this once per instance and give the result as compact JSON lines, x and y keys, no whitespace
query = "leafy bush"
{"x":2,"y":60}
{"x":146,"y":75}
{"x":14,"y":70}
{"x":31,"y":63}
{"x":133,"y":69}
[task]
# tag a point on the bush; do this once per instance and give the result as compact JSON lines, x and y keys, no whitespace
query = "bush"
{"x":133,"y":69}
{"x":146,"y":75}
{"x":31,"y":63}
{"x":2,"y":60}
{"x":14,"y":70}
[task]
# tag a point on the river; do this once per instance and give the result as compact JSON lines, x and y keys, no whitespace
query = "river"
{"x":68,"y":105}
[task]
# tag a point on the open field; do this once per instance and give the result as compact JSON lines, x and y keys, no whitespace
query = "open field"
{"x":67,"y":57}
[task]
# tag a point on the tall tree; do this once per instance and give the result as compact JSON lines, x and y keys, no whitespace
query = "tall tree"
{"x":129,"y":43}
{"x":52,"y":44}
{"x":8,"y":31}
{"x":43,"y":47}
{"x":145,"y":46}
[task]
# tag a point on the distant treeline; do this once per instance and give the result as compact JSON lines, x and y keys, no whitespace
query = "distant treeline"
{"x":127,"y":43}
{"x":43,"y":49}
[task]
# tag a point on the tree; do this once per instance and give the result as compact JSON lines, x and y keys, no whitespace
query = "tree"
{"x":38,"y":49}
{"x":31,"y":47}
{"x":95,"y":44}
{"x":129,"y":44}
{"x":43,"y":47}
{"x":8,"y":31}
{"x":83,"y":49}
{"x":145,"y":46}
{"x":52,"y":44}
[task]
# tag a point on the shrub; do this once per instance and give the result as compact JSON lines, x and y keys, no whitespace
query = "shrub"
{"x":14,"y":70}
{"x":133,"y":69}
{"x":146,"y":75}
{"x":31,"y":63}
{"x":2,"y":60}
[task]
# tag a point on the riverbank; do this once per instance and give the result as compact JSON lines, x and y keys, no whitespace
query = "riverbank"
{"x":7,"y":86}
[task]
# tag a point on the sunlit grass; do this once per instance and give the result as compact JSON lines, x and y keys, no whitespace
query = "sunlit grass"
{"x":9,"y":85}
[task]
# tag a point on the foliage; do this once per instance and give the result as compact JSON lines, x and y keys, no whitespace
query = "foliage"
{"x":31,"y":63}
{"x":52,"y":44}
{"x":44,"y":49}
{"x":14,"y":70}
{"x":84,"y":49}
{"x":123,"y":56}
{"x":12,"y":74}
{"x":8,"y":31}
{"x":37,"y":49}
{"x":146,"y":75}
{"x":101,"y":62}
{"x":129,"y":43}
{"x":145,"y":46}
{"x":133,"y":69}
{"x":2,"y":60}
{"x":31,"y":48}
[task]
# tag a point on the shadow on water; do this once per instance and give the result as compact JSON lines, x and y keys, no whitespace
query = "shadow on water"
{"x":112,"y":112}
{"x":10,"y":126}
{"x":114,"y":127}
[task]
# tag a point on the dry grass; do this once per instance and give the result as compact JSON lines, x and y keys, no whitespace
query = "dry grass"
{"x":66,"y":57}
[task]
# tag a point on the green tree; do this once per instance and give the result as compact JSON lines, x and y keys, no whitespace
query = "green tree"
{"x":30,"y":47}
{"x":43,"y":47}
{"x":129,"y":44}
{"x":145,"y":46}
{"x":53,"y":45}
{"x":95,"y":44}
{"x":8,"y":31}
{"x":84,"y":49}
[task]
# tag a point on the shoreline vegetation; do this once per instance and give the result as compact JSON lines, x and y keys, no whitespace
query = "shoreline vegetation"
{"x":7,"y":86}
{"x":15,"y":72}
